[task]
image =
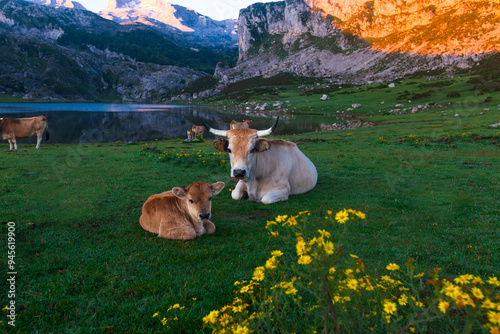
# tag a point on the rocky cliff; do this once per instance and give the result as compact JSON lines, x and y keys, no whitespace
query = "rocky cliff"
{"x":181,"y":23}
{"x":357,"y":40}
{"x":60,"y":3}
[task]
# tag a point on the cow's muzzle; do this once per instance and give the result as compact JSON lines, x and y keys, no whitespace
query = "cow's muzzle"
{"x":204,"y":216}
{"x":239,"y":173}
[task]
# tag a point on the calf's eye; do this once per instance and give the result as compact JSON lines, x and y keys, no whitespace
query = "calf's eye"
{"x":191,"y":201}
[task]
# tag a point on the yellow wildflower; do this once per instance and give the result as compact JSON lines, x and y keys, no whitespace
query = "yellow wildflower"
{"x":329,"y":248}
{"x":258,"y":274}
{"x":280,"y":219}
{"x":329,"y":212}
{"x":301,"y":246}
{"x":493,"y":317}
{"x":494,"y":330}
{"x":332,"y":270}
{"x":324,"y":234}
{"x":494,"y":281}
{"x":443,"y":305}
{"x":342,"y":216}
{"x":360,"y":215}
{"x":304,"y":259}
{"x":477,"y":293}
{"x":211,"y":317}
{"x":164,"y":321}
{"x":275,"y":234}
{"x":354,"y":256}
{"x":392,"y":266}
{"x":488,"y":304}
{"x":271,"y":263}
{"x":352,"y":284}
{"x":403,"y":300}
{"x":241,"y":330}
{"x":156,"y":314}
{"x":270,"y":223}
{"x":276,"y":253}
{"x":389,"y":307}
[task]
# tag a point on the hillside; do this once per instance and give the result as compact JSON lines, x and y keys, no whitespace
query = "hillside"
{"x":54,"y":53}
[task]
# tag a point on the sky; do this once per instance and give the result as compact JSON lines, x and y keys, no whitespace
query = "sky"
{"x":215,"y":9}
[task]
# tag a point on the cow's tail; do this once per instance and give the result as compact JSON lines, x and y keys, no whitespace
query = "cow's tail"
{"x":47,"y":134}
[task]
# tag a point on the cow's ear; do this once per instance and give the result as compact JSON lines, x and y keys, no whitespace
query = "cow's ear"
{"x":221,"y":144}
{"x":247,"y":121}
{"x":262,"y":145}
{"x":217,"y":187}
{"x":179,"y":192}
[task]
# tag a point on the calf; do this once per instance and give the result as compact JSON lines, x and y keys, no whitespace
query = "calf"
{"x":182,"y":213}
{"x":10,"y":128}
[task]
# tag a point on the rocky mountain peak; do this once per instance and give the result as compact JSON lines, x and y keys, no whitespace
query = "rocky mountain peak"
{"x":60,"y":3}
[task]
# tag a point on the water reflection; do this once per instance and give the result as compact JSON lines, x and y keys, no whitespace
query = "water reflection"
{"x":100,"y":123}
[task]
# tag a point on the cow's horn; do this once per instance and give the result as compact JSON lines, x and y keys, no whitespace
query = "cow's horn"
{"x":216,"y":132}
{"x":262,"y":133}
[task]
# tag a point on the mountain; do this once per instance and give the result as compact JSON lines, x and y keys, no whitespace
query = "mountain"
{"x":362,"y":41}
{"x":60,"y":3}
{"x":53,"y":53}
{"x":182,"y":24}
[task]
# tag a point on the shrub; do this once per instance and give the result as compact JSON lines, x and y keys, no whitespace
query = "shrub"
{"x":322,"y":288}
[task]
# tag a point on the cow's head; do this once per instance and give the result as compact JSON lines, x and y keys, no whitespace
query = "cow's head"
{"x":242,"y":146}
{"x":198,"y":198}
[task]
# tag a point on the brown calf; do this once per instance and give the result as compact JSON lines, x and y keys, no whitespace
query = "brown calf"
{"x":190,"y":135}
{"x":240,"y":125}
{"x":182,"y":213}
{"x":10,"y":128}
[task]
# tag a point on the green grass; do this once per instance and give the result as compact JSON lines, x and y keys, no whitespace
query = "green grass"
{"x":428,"y":183}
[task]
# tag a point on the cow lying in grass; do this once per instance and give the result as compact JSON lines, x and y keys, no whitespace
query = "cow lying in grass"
{"x":12,"y":128}
{"x":182,"y":213}
{"x":267,"y":170}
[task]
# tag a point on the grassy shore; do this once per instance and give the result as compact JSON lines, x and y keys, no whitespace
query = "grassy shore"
{"x":427,"y":181}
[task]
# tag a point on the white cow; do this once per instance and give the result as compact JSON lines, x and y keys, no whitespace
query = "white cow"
{"x":268,"y":170}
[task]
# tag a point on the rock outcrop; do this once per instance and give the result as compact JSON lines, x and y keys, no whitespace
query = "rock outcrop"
{"x":361,"y":41}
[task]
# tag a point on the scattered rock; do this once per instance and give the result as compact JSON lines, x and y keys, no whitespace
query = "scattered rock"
{"x":391,"y":85}
{"x":356,"y":105}
{"x":324,"y":97}
{"x":344,"y":126}
{"x":495,"y":125}
{"x":457,"y":115}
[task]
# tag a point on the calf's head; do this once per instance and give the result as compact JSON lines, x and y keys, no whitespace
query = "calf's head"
{"x":242,"y":146}
{"x":198,"y":198}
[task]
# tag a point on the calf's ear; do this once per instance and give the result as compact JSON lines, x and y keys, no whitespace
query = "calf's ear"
{"x":262,"y":145}
{"x":179,"y":192}
{"x":217,"y":187}
{"x":221,"y":144}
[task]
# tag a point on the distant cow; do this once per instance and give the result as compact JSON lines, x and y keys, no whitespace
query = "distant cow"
{"x":12,"y":128}
{"x":197,"y":129}
{"x":190,"y":135}
{"x":240,"y":125}
{"x":268,"y":170}
{"x":182,"y":213}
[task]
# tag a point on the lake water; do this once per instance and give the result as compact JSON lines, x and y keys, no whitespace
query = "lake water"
{"x":104,"y":123}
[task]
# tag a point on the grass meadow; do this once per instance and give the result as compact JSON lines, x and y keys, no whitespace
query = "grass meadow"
{"x":428,"y":183}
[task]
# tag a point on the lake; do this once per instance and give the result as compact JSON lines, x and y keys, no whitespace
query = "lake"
{"x":104,"y":123}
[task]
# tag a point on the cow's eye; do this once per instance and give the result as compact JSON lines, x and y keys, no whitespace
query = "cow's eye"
{"x":252,"y":150}
{"x":229,"y":150}
{"x":191,"y":201}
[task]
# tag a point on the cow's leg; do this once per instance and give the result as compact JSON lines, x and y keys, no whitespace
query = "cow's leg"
{"x":240,"y":191}
{"x":10,"y":143}
{"x":38,"y":139}
{"x":280,"y":194}
{"x":12,"y":139}
{"x":177,"y":233}
{"x":209,"y":227}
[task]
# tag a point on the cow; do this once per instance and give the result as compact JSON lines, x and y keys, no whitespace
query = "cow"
{"x":181,"y":213}
{"x":267,"y":171}
{"x":240,"y":125}
{"x":197,"y":129}
{"x":190,"y":135}
{"x":10,"y":128}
